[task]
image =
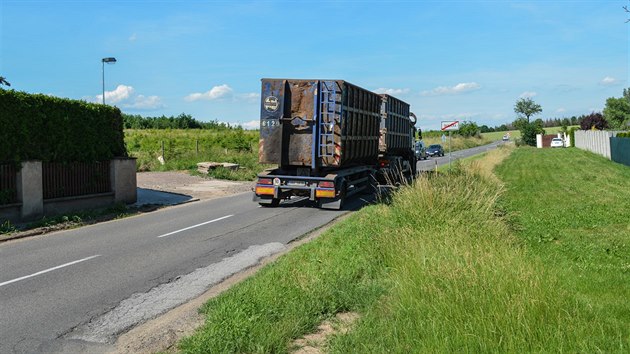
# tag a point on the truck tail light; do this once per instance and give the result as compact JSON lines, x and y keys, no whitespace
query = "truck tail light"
{"x":265,"y":181}
{"x":383,"y":163}
{"x":326,"y":184}
{"x":325,"y":189}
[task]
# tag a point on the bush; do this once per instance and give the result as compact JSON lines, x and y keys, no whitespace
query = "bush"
{"x":53,"y":129}
{"x":529,"y":130}
{"x":594,"y":121}
{"x":623,"y":135}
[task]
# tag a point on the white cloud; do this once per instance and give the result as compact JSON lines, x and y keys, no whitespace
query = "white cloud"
{"x":561,"y":110}
{"x":133,"y":38}
{"x":125,"y":96}
{"x":452,"y":90}
{"x":142,"y":102}
{"x":121,"y":93}
{"x":251,"y":125}
{"x":215,"y":93}
{"x":528,"y":94}
{"x":392,"y":92}
{"x":608,"y":81}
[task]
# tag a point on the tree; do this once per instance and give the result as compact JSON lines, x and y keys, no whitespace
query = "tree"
{"x":594,"y":121}
{"x":617,"y":112}
{"x":468,"y":129}
{"x":4,"y":81}
{"x":529,"y":130}
{"x":526,"y":107}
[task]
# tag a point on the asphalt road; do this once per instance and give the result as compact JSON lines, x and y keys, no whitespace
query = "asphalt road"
{"x":76,"y":290}
{"x":431,"y":162}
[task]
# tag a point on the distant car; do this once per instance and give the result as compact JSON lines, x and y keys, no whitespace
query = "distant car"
{"x":435,"y":150}
{"x":557,"y":143}
{"x":506,"y":138}
{"x":420,"y":150}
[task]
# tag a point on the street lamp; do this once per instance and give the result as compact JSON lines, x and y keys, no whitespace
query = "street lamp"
{"x":109,"y":60}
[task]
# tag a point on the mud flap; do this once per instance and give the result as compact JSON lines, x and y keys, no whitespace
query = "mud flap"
{"x":331,"y":203}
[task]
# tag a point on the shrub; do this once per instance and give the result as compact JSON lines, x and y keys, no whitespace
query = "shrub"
{"x":623,"y":135}
{"x":53,"y":129}
{"x":529,"y":130}
{"x":594,"y":121}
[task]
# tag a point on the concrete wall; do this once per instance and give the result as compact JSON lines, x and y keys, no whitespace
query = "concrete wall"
{"x":595,"y":141}
{"x":30,"y":190}
{"x":31,"y":204}
{"x":123,"y":179}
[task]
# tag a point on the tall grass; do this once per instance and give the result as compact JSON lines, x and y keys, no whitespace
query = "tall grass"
{"x":458,"y":142}
{"x":461,"y":282}
{"x":445,"y":267}
{"x":184,"y":148}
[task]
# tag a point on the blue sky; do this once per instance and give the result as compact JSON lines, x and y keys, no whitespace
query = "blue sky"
{"x":466,"y":60}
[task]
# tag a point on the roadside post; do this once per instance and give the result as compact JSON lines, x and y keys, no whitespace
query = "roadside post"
{"x":448,"y":126}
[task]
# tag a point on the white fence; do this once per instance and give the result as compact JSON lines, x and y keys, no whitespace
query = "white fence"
{"x":595,"y":141}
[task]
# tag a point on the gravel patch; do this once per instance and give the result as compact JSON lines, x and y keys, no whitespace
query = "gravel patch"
{"x":182,"y":182}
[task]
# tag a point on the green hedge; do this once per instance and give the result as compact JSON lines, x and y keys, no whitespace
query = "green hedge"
{"x":52,"y":129}
{"x":623,"y":135}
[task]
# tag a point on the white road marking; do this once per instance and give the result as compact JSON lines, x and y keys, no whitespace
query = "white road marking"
{"x":48,"y":270}
{"x":192,"y":227}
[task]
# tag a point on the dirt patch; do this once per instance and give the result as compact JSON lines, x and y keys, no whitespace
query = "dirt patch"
{"x":182,"y":182}
{"x":314,"y":343}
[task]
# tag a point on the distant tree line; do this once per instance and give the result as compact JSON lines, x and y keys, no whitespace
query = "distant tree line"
{"x":182,"y":121}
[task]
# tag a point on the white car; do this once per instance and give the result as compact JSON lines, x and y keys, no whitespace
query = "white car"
{"x":557,"y":143}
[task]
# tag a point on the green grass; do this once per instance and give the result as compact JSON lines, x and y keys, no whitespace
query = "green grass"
{"x":515,"y":134}
{"x":462,"y":262}
{"x":457,"y":142}
{"x":184,"y":148}
{"x":573,"y":210}
{"x":73,"y":220}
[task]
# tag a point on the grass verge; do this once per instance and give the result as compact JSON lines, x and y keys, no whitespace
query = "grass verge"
{"x":440,"y":269}
{"x":458,"y":142}
{"x":10,"y":231}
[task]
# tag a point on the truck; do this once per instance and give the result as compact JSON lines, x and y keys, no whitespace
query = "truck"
{"x":330,"y":139}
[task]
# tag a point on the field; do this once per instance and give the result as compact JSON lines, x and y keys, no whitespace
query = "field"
{"x":184,"y":148}
{"x":458,"y":142}
{"x":523,"y":251}
{"x":515,"y":134}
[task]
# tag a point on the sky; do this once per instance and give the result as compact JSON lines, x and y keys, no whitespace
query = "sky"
{"x":450,"y":60}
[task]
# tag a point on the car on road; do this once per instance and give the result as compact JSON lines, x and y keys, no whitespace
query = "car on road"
{"x":435,"y":150}
{"x":557,"y":143}
{"x":506,"y":137}
{"x":420,"y":151}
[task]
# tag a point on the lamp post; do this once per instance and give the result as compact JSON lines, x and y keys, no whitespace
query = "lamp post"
{"x":109,"y":60}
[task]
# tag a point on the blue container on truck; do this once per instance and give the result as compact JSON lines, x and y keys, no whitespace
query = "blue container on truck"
{"x":328,"y":138}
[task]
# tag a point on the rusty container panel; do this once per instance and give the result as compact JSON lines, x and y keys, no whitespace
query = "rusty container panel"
{"x":396,"y":128}
{"x":287,"y":121}
{"x":318,"y":124}
{"x":360,"y":126}
{"x":271,"y":112}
